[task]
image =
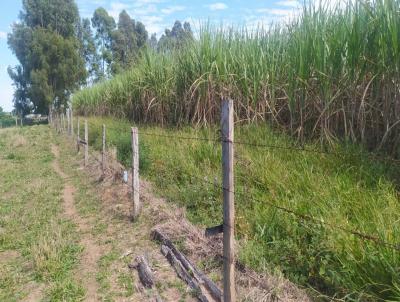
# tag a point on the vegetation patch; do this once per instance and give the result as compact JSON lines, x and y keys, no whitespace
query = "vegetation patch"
{"x":32,"y":224}
{"x":323,"y":75}
{"x":343,"y":188}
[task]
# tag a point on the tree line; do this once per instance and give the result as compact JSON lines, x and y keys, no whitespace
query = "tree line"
{"x":59,"y":52}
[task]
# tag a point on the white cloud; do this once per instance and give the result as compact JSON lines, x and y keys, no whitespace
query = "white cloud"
{"x":172,"y":9}
{"x":217,"y":6}
{"x":145,"y":10}
{"x":289,"y":3}
{"x":154,"y":24}
{"x":3,"y":35}
{"x":279,"y":14}
{"x":116,"y":8}
{"x":274,"y":11}
{"x":140,"y":3}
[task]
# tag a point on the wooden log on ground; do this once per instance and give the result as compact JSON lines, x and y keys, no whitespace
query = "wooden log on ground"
{"x":197,"y":275}
{"x":183,"y":273}
{"x":145,"y":274}
{"x":144,"y":271}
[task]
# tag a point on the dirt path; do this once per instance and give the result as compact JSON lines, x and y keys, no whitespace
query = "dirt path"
{"x":92,"y":252}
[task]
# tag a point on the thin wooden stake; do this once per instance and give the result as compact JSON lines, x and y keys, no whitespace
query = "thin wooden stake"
{"x":86,"y":143}
{"x":68,"y":122}
{"x":135,"y":172}
{"x":227,"y":129}
{"x":72,"y":123}
{"x":103,"y":153}
{"x":78,"y":140}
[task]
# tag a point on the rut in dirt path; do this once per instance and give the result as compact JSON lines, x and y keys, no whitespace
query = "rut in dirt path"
{"x":92,"y":252}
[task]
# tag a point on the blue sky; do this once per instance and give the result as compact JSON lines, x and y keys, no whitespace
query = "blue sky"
{"x":156,"y":15}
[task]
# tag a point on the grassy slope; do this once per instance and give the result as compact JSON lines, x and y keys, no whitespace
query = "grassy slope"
{"x":41,"y":251}
{"x":349,"y":190}
{"x":31,"y":223}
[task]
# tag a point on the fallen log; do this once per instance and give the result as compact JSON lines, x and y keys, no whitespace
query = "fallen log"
{"x":182,"y":273}
{"x":145,"y":274}
{"x":144,"y":271}
{"x":195,"y":275}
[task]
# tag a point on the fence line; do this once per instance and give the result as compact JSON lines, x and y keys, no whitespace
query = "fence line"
{"x":227,"y":186}
{"x":302,"y":216}
{"x":264,"y":146}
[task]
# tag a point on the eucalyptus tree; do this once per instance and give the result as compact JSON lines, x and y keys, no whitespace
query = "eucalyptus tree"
{"x":176,"y":37}
{"x":104,"y":24}
{"x":89,"y":51}
{"x":45,"y":43}
{"x":127,"y":40}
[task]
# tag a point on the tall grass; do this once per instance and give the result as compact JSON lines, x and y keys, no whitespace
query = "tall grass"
{"x":329,"y":73}
{"x":349,"y":190}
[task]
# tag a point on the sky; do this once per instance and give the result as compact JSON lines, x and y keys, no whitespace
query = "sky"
{"x":156,"y":16}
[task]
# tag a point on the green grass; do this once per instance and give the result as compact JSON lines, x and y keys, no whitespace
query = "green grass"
{"x":350,"y":190}
{"x":332,"y":72}
{"x":31,"y":222}
{"x":6,"y":121}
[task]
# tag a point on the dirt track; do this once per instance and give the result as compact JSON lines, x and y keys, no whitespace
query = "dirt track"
{"x":92,"y":251}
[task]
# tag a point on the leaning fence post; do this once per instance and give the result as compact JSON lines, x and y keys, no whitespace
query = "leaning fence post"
{"x":135,"y":172}
{"x":86,"y":143}
{"x":227,"y":129}
{"x":103,"y":153}
{"x":78,"y":140}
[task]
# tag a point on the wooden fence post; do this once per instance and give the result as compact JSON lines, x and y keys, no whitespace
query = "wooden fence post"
{"x":62,"y":122}
{"x":103,"y":153}
{"x":72,"y":122}
{"x":78,"y":140}
{"x":68,"y":122}
{"x":86,"y":143}
{"x":227,"y":129}
{"x":135,"y":172}
{"x":16,"y":121}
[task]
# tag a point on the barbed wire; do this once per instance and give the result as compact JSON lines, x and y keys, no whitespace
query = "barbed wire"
{"x":299,"y":215}
{"x":256,"y":145}
{"x":306,"y":217}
